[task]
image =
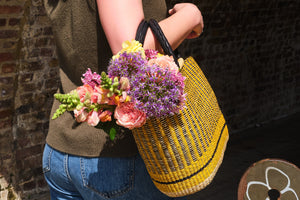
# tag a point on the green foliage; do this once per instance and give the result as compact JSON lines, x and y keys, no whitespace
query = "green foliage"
{"x":68,"y":102}
{"x":111,"y":85}
{"x":110,"y":127}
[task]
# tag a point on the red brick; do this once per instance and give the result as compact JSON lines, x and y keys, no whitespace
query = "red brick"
{"x":5,"y":123}
{"x":42,"y":183}
{"x":5,"y":147}
{"x":32,"y":162}
{"x":5,"y":113}
{"x":46,"y":52}
{"x":51,"y":83}
{"x":5,"y":157}
{"x":14,"y":21}
{"x":27,"y":98}
{"x":26,"y":77}
{"x":28,"y":87}
{"x":4,"y":9}
{"x":8,"y":34}
{"x":26,"y":152}
{"x":47,"y":31}
{"x":6,"y":80}
{"x":9,"y":44}
{"x":6,"y":92}
{"x":2,"y":22}
{"x":23,"y":142}
{"x":41,"y":42}
{"x":34,"y":66}
{"x":6,"y":57}
{"x":6,"y":103}
{"x":8,"y":68}
{"x":29,"y":185}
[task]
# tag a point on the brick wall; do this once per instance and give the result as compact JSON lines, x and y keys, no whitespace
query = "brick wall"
{"x":28,"y":80}
{"x":249,"y":51}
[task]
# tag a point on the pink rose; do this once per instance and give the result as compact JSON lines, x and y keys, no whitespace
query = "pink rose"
{"x":80,"y":115}
{"x":84,"y":92}
{"x":129,"y":117}
{"x":165,"y":62}
{"x":93,"y":118}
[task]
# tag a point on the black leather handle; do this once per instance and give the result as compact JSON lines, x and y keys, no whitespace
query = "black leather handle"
{"x":159,"y":35}
{"x":141,"y":31}
{"x":161,"y":38}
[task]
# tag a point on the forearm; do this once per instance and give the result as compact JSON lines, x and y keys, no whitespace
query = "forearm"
{"x":177,"y":27}
{"x":120,"y":20}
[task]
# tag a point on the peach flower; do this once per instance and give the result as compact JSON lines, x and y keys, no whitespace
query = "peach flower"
{"x":93,"y":118}
{"x":105,"y":116}
{"x":129,"y":117}
{"x":165,"y":62}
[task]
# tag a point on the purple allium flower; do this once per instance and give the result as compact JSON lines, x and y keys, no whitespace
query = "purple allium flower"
{"x":151,"y":54}
{"x":92,"y":79}
{"x":157,"y":92}
{"x":126,"y":65}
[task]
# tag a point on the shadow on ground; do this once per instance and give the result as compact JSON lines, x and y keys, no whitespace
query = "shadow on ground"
{"x":277,"y":139}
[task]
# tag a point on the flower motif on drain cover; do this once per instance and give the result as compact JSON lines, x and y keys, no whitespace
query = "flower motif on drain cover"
{"x":279,"y":183}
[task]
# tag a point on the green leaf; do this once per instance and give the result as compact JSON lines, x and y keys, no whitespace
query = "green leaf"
{"x":112,"y":133}
{"x":110,"y":127}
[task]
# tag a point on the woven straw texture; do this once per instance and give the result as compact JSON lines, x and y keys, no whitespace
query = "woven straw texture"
{"x":183,"y":152}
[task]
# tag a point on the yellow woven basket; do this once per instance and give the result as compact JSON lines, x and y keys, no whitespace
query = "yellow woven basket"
{"x":183,"y":152}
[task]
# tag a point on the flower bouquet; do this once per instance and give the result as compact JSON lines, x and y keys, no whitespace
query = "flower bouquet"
{"x":177,"y":124}
{"x":138,"y":85}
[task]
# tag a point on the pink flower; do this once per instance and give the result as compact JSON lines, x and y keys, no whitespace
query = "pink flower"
{"x":165,"y":62}
{"x":123,"y":97}
{"x":112,"y":100}
{"x":124,"y":82}
{"x":93,"y":118}
{"x":129,"y":117}
{"x":80,"y":115}
{"x":151,"y":54}
{"x":96,"y":97}
{"x":84,"y":92}
{"x":91,"y":79}
{"x":102,"y":97}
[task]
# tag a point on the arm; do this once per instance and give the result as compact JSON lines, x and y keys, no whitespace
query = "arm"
{"x":120,"y":20}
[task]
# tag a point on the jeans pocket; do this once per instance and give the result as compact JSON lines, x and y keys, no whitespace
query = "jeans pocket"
{"x":46,"y":158}
{"x":108,"y":177}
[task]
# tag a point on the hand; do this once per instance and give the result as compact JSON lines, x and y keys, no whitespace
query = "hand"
{"x":198,"y":26}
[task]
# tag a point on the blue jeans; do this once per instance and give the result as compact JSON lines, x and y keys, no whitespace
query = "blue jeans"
{"x":74,"y":177}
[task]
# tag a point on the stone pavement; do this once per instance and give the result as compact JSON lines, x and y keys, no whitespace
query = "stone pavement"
{"x":277,"y":139}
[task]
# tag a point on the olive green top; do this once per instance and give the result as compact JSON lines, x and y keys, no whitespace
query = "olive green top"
{"x":81,"y":44}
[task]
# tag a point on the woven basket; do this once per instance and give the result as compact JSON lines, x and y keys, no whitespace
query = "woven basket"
{"x":183,"y":152}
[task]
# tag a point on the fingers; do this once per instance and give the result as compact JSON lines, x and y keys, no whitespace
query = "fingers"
{"x":171,"y":11}
{"x":176,"y":8}
{"x":198,"y":24}
{"x":193,"y":35}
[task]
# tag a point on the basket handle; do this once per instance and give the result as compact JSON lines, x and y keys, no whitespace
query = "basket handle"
{"x":159,"y":35}
{"x":163,"y":41}
{"x":141,"y":31}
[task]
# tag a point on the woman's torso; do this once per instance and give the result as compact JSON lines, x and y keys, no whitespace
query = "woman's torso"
{"x":81,"y":44}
